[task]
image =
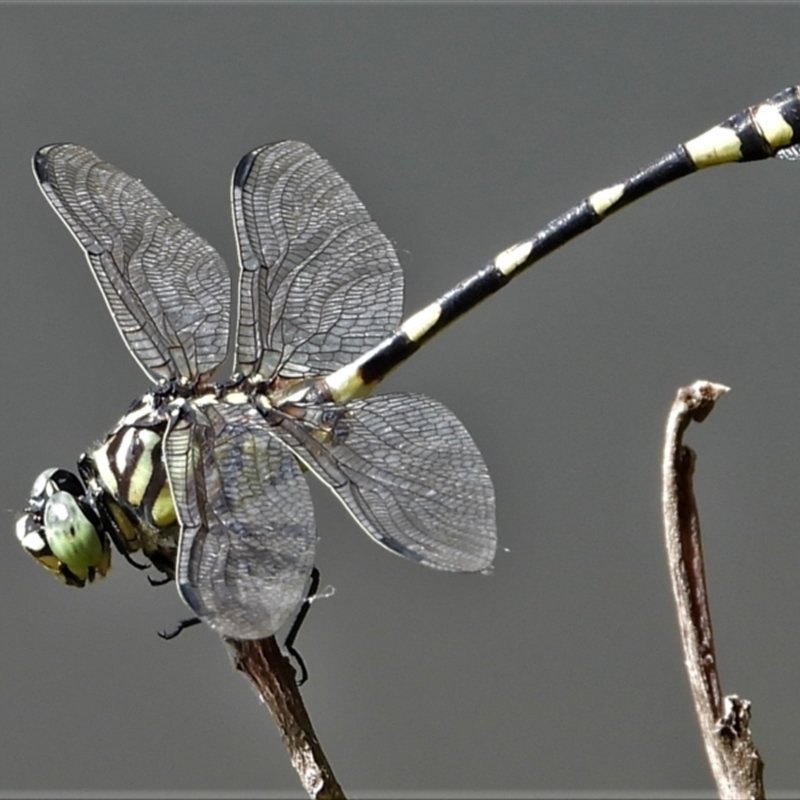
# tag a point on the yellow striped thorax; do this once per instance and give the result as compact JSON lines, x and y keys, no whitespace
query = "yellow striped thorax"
{"x":128,"y":469}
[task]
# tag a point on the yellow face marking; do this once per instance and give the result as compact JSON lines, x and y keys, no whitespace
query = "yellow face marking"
{"x":52,"y":564}
{"x":21,"y":529}
{"x":417,"y":325}
{"x":33,"y":542}
{"x":716,"y":146}
{"x":775,"y":129}
{"x":143,"y":468}
{"x":604,"y":199}
{"x":510,"y":259}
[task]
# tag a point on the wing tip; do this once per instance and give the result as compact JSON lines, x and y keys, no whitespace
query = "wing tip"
{"x":245,"y":166}
{"x":41,"y":163}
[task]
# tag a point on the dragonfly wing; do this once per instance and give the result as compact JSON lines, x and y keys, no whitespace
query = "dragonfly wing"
{"x":409,"y":472}
{"x":790,"y":153}
{"x":247,"y":523}
{"x":167,"y":289}
{"x":320,"y":284}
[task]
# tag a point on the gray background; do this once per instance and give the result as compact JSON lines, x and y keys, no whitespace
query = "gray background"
{"x":463,"y":128}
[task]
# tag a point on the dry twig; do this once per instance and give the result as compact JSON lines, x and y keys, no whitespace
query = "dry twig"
{"x":274,"y":678}
{"x":724,"y":721}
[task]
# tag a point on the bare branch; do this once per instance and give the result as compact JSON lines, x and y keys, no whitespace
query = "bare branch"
{"x":724,"y":721}
{"x":273,"y":676}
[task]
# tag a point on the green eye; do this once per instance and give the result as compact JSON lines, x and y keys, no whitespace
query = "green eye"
{"x":72,"y":538}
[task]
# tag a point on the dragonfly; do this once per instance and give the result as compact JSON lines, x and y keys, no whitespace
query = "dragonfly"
{"x":208,"y":479}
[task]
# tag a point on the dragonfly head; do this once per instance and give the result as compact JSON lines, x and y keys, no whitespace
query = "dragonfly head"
{"x":61,"y":530}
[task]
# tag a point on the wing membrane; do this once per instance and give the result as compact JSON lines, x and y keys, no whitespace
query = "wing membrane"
{"x":408,"y":471}
{"x":320,"y":284}
{"x":247,"y":522}
{"x":167,"y":289}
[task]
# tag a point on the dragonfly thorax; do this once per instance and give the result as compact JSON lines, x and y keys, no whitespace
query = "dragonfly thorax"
{"x":128,"y":474}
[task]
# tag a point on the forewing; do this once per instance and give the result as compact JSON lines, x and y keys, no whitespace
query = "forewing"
{"x":247,"y":523}
{"x":408,"y":471}
{"x":320,"y":284}
{"x":167,"y":289}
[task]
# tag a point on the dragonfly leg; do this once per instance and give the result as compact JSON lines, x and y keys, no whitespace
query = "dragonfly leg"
{"x":181,"y":626}
{"x":297,"y":624}
{"x":133,"y":562}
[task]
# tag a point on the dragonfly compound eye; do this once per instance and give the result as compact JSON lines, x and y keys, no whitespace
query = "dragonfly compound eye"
{"x":59,"y":532}
{"x":49,"y":482}
{"x":73,"y":538}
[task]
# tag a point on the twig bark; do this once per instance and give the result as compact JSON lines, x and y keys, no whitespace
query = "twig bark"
{"x":724,"y":721}
{"x":274,"y":678}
